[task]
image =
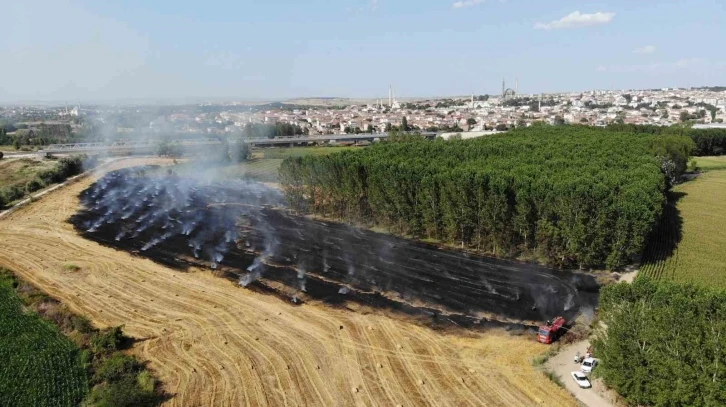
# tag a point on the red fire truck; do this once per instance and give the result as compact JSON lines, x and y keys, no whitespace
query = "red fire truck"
{"x":552,"y":330}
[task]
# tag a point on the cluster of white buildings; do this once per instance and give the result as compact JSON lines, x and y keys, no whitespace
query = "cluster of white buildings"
{"x":655,"y":106}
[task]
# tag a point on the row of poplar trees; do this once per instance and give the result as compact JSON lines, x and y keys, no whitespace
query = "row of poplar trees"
{"x":665,"y":343}
{"x":571,"y":196}
{"x":706,"y":141}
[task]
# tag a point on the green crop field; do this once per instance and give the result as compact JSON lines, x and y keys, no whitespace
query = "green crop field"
{"x":258,"y":169}
{"x":282,"y":153}
{"x":39,"y":366}
{"x":262,"y":167}
{"x":265,"y":164}
{"x":711,"y":163}
{"x":690,"y":242}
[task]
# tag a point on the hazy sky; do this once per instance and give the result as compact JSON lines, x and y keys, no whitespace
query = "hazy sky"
{"x":113,"y":49}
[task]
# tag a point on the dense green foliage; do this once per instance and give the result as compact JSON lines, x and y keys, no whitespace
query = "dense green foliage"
{"x":258,"y":130}
{"x":166,"y":148}
{"x":38,"y":365}
{"x":707,"y":141}
{"x":241,"y":152}
{"x":665,"y":343}
{"x":39,"y":136}
{"x":66,"y":167}
{"x":122,"y":381}
{"x":43,"y":367}
{"x":570,"y":195}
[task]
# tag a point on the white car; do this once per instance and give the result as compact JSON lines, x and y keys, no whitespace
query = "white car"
{"x":588,"y":364}
{"x":581,"y":380}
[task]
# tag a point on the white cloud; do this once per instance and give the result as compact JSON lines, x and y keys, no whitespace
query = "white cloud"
{"x":688,"y":62}
{"x":576,"y":20}
{"x":374,"y":5}
{"x":467,"y":3}
{"x":648,"y":49}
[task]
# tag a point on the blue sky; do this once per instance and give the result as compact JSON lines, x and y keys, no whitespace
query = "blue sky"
{"x":113,"y":49}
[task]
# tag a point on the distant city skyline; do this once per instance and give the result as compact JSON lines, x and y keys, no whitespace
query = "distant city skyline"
{"x":80,"y":50}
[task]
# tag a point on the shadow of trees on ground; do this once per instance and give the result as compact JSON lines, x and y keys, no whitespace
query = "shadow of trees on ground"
{"x":665,"y":237}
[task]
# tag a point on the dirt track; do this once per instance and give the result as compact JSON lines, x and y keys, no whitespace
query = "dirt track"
{"x":213,"y":343}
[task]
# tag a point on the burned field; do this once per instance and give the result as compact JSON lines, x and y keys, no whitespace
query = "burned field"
{"x":242,"y":231}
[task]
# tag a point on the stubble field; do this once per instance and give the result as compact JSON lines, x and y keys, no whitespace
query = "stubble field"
{"x":214,"y":343}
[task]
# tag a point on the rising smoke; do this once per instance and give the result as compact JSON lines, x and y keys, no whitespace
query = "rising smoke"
{"x":204,"y":212}
{"x":242,"y":227}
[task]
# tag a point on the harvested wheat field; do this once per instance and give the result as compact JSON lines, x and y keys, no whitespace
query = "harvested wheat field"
{"x":213,"y":343}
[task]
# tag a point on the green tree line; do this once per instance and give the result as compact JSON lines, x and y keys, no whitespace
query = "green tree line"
{"x":665,"y":343}
{"x":572,"y":196}
{"x":42,"y":135}
{"x":224,"y":153}
{"x":258,"y":130}
{"x":707,"y":141}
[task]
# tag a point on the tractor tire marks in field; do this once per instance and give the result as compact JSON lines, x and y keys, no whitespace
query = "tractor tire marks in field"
{"x":212,"y":343}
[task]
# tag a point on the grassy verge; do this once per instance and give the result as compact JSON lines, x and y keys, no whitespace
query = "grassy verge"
{"x":711,"y":163}
{"x":263,"y":166}
{"x":554,"y":378}
{"x":541,"y":359}
{"x":258,"y":169}
{"x":690,"y":243}
{"x":20,"y":177}
{"x":14,"y":171}
{"x":52,"y":357}
{"x":282,"y":153}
